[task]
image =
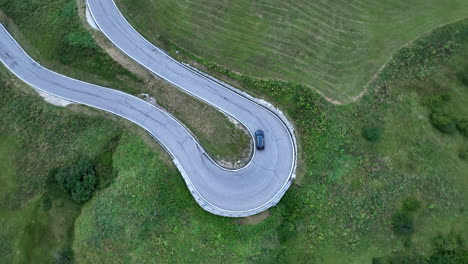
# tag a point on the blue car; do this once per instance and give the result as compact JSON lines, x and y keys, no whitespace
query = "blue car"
{"x":259,"y":140}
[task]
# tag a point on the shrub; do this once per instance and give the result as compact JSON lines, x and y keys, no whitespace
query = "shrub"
{"x":78,"y":181}
{"x":463,"y":77}
{"x":462,"y":126}
{"x":46,"y":204}
{"x":443,"y":122}
{"x":399,"y":260}
{"x":411,"y":204}
{"x":64,"y":256}
{"x":371,"y":133}
{"x":403,"y":223}
{"x":463,"y":154}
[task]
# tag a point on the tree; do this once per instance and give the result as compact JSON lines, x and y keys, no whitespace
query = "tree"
{"x":79,"y":181}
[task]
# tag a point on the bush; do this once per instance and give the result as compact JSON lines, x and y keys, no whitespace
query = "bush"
{"x":443,"y":122}
{"x":411,"y":204}
{"x":463,"y":77}
{"x":462,"y":126}
{"x":78,"y":181}
{"x":64,"y":256}
{"x":403,"y":224}
{"x":46,"y":204}
{"x":371,"y":133}
{"x":463,"y":154}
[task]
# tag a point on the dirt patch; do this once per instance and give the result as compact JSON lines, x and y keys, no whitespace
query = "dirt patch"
{"x":254,"y":219}
{"x":54,"y":100}
{"x":149,"y":99}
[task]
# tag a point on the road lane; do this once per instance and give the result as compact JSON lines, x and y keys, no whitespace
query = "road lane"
{"x":234,"y":193}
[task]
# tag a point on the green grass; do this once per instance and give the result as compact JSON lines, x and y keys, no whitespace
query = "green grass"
{"x":51,"y":32}
{"x":34,"y":138}
{"x":350,"y":188}
{"x":7,"y":144}
{"x":335,"y":47}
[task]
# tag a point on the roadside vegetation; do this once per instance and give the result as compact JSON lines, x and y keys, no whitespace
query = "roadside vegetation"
{"x":52,"y":33}
{"x":379,"y":180}
{"x":37,"y":142}
{"x":335,"y":47}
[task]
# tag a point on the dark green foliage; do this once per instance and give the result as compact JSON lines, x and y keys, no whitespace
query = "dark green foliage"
{"x":449,"y":244}
{"x":403,"y":223}
{"x":459,"y":256}
{"x":46,"y":204}
{"x":79,"y":181}
{"x":462,"y":126}
{"x":399,"y":260}
{"x":371,"y":133}
{"x":64,"y":256}
{"x":411,"y":204}
{"x":23,"y":7}
{"x":444,"y":119}
{"x":104,"y":163}
{"x":443,"y":122}
{"x":463,"y":154}
{"x":449,"y":249}
{"x":463,"y":77}
{"x":403,"y":220}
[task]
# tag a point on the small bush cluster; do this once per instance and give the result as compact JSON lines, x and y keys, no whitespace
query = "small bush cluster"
{"x":46,"y":204}
{"x":64,"y":256}
{"x":447,"y":249}
{"x":403,"y":220}
{"x":79,"y":181}
{"x":442,"y":119}
{"x":462,"y":126}
{"x":371,"y":133}
{"x":463,"y":154}
{"x":411,"y":204}
{"x":403,"y":223}
{"x":443,"y":122}
{"x":463,"y":77}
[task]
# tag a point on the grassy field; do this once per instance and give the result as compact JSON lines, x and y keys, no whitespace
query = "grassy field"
{"x":335,"y":47}
{"x":37,"y":219}
{"x":379,"y":183}
{"x":52,"y":33}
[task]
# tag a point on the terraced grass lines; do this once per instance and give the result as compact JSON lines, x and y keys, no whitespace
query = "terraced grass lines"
{"x":335,"y":47}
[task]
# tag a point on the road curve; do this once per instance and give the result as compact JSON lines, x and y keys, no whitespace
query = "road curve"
{"x":233,"y":193}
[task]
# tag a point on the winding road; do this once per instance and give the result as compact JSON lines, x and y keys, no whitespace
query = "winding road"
{"x":233,"y":193}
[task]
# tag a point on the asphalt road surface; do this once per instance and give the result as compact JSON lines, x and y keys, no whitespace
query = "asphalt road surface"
{"x":234,"y":193}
